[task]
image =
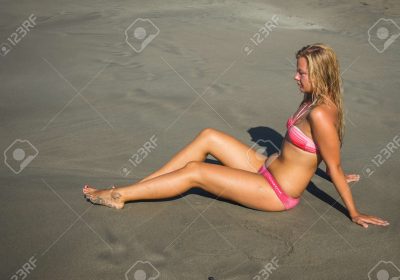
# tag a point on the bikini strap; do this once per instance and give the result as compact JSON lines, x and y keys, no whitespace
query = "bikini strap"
{"x":301,"y":112}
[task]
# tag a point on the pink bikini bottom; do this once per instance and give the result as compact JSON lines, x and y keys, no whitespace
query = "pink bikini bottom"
{"x":288,"y":201}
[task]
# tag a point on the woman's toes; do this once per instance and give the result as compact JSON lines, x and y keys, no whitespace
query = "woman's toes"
{"x":86,"y":189}
{"x":86,"y":192}
{"x":90,"y":190}
{"x":88,"y":195}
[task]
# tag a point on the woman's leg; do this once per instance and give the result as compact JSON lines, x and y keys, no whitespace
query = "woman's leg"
{"x":228,"y":150}
{"x":247,"y":188}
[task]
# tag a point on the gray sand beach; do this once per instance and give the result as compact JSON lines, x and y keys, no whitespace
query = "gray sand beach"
{"x":104,"y":93}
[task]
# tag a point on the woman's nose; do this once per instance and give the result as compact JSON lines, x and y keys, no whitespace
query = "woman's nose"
{"x":297,"y":76}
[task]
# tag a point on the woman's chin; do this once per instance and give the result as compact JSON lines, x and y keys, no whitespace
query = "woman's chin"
{"x":304,"y":91}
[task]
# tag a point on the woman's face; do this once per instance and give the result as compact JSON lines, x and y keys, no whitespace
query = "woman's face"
{"x":302,"y":77}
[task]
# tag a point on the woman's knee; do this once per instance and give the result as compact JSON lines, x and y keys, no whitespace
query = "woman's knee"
{"x":209,"y":133}
{"x":211,"y":137}
{"x":193,"y":169}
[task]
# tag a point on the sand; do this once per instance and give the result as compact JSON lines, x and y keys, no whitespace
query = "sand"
{"x":88,"y":102}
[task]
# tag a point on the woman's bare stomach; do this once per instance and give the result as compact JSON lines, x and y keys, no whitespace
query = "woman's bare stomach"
{"x":292,"y":168}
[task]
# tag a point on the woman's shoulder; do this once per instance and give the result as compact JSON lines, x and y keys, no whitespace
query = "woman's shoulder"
{"x":323,"y":113}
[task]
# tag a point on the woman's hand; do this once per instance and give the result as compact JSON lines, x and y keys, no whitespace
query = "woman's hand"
{"x":352,"y":177}
{"x":349,"y":177}
{"x":364,"y":220}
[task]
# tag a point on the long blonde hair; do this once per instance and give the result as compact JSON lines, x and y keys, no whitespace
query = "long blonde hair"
{"x":324,"y":74}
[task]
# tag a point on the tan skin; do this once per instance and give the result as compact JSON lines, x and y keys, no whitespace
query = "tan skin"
{"x":237,"y":179}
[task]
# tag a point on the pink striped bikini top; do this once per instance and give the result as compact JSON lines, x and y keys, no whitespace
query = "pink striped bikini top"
{"x":296,"y":136}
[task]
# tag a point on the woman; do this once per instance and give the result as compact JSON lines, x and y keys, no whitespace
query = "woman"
{"x":275,"y":183}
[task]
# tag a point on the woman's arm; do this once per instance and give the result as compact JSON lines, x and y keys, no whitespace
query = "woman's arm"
{"x":343,"y":189}
{"x":324,"y":133}
{"x":349,"y":177}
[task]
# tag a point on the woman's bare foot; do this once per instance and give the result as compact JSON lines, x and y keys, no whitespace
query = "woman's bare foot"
{"x":110,"y":198}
